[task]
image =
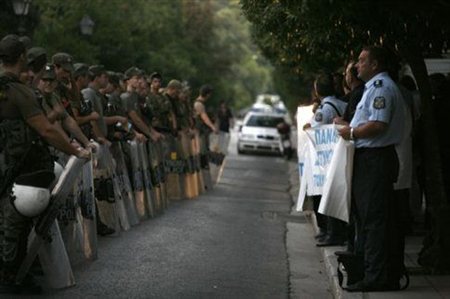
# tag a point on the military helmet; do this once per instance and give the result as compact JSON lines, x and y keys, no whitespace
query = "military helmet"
{"x":30,"y":194}
{"x":30,"y":201}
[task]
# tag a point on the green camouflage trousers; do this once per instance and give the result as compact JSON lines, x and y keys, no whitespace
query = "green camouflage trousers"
{"x":14,"y":231}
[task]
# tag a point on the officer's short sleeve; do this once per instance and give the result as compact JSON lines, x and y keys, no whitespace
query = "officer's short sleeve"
{"x":25,"y":100}
{"x":199,"y":107}
{"x":380,"y":105}
{"x":57,"y":101}
{"x":90,"y":95}
{"x":328,"y":114}
{"x":130,"y":101}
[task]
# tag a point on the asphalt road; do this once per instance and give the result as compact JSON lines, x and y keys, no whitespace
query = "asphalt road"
{"x":238,"y":240}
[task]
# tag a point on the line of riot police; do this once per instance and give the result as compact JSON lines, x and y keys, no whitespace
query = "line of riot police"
{"x":122,"y":147}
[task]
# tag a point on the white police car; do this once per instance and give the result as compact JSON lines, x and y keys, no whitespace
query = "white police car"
{"x":259,"y":133}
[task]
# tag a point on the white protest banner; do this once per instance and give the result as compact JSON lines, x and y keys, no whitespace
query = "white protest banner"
{"x":314,"y":159}
{"x":336,"y":195}
{"x":326,"y":171}
{"x":323,"y":140}
{"x":304,"y":115}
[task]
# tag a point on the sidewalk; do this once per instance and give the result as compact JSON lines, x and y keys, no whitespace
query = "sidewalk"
{"x":421,"y":285}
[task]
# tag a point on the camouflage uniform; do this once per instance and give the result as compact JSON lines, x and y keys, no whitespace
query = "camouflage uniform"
{"x":24,"y":153}
{"x":161,"y":107}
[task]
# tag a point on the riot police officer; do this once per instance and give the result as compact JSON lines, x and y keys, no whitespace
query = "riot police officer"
{"x":23,"y":129}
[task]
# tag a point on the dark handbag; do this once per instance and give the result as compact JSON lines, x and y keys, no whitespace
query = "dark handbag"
{"x":350,"y":264}
{"x":353,"y":266}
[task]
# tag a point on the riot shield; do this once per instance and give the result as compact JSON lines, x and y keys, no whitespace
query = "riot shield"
{"x":40,"y":234}
{"x":174,"y":166}
{"x":117,"y":216}
{"x":188,"y":179}
{"x":197,"y":164}
{"x":138,"y":181}
{"x":86,"y":213}
{"x":124,"y":183}
{"x":70,"y":225}
{"x":55,"y":261}
{"x":191,"y":162}
{"x":204,"y":161}
{"x":216,"y":156}
{"x":154,"y":154}
{"x":147,"y":178}
{"x":163,"y":152}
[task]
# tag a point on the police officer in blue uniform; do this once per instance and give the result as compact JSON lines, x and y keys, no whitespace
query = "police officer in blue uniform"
{"x":376,"y":127}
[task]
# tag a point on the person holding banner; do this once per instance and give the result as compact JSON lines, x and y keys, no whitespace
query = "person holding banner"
{"x":330,"y":107}
{"x":376,"y":128}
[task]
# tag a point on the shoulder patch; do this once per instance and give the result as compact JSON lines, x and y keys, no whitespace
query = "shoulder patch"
{"x":378,"y":83}
{"x":379,"y":103}
{"x":318,"y":117}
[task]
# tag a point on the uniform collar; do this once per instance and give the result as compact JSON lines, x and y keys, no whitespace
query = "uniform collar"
{"x":375,"y":78}
{"x":329,"y":98}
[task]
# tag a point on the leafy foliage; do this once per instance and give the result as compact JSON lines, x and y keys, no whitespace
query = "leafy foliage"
{"x":308,"y":36}
{"x":195,"y":41}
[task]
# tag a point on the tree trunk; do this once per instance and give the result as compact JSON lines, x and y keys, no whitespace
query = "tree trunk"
{"x":435,"y":253}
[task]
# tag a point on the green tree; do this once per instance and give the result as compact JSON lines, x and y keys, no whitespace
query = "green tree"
{"x":183,"y":39}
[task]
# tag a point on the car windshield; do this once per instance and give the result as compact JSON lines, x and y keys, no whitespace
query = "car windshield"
{"x":264,"y":121}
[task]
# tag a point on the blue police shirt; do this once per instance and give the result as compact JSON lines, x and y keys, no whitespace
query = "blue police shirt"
{"x":382,"y":101}
{"x":330,"y":107}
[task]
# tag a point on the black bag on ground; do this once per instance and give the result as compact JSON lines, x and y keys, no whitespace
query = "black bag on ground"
{"x":352,"y":265}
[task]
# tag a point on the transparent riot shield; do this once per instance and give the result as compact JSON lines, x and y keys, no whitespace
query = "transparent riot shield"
{"x":174,"y":167}
{"x":165,"y":150}
{"x":138,"y":181}
{"x":71,"y":226}
{"x":44,"y":230}
{"x":55,"y":261}
{"x":156,"y":172}
{"x":197,"y":164}
{"x":86,"y":213}
{"x":112,"y":211}
{"x":189,"y":184}
{"x":147,"y":179}
{"x":215,"y":157}
{"x":124,"y":183}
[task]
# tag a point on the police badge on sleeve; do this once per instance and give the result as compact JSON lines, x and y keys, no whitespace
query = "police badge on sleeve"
{"x":379,"y":103}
